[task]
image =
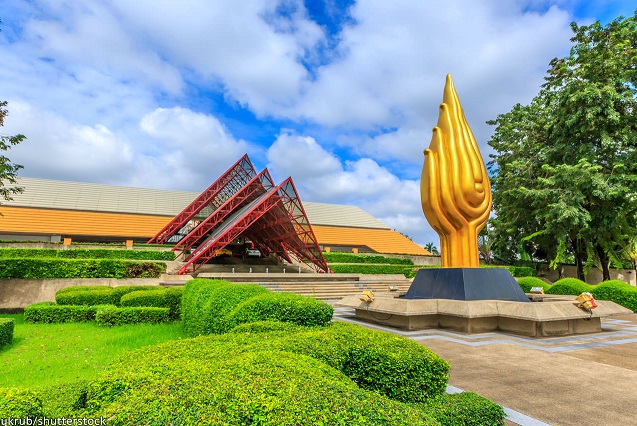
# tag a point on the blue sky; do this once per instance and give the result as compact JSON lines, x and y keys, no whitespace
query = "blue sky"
{"x":339,"y":94}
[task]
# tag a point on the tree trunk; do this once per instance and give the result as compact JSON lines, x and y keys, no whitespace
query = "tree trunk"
{"x":603,"y":259}
{"x":580,"y":260}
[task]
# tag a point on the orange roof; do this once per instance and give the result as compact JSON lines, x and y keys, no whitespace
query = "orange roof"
{"x":379,"y":240}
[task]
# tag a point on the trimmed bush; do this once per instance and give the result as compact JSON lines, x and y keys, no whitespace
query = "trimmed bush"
{"x":36,"y":268}
{"x":265,"y":387}
{"x":392,"y":365}
{"x":371,"y":269}
{"x":617,"y":291}
{"x":6,"y":331}
{"x":569,"y":286}
{"x":339,"y":257}
{"x":159,"y":297}
{"x":284,"y":307}
{"x":464,"y":409}
{"x":132,"y":315}
{"x":15,"y":253}
{"x":19,"y":403}
{"x":49,"y":312}
{"x":527,"y":283}
{"x":95,"y":295}
{"x":205,"y":304}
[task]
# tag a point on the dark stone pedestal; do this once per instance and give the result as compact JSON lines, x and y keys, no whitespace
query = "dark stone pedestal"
{"x":466,"y":284}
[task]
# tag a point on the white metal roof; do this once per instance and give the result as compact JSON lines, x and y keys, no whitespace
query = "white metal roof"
{"x":64,"y":195}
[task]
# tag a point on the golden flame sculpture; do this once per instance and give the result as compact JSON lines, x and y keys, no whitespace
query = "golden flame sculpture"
{"x":454,"y":186}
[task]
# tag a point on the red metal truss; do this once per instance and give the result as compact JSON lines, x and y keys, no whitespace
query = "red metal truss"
{"x":214,"y":196}
{"x":276,"y":222}
{"x":231,"y":229}
{"x":287,"y":229}
{"x":259,"y":185}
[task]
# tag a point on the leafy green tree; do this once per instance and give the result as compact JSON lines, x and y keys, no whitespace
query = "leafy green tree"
{"x":565,"y":166}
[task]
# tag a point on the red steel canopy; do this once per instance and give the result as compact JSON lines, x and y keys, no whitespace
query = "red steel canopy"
{"x":244,"y":204}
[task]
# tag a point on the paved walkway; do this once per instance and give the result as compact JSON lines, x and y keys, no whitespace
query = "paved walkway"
{"x":587,"y":379}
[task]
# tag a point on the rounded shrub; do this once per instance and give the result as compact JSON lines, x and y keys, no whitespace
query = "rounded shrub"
{"x":265,"y":387}
{"x":569,"y":286}
{"x":527,"y":283}
{"x":285,"y":307}
{"x":617,"y":291}
{"x":466,"y":408}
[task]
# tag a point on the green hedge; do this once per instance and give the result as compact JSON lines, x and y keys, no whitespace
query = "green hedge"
{"x":19,"y":403}
{"x":569,"y":286}
{"x":132,"y":315}
{"x":284,"y":307}
{"x":516,"y":271}
{"x":527,"y":283}
{"x":392,"y":365}
{"x":466,"y":408}
{"x":264,"y":387}
{"x":338,"y":257}
{"x":49,"y":312}
{"x":6,"y":331}
{"x":15,"y":253}
{"x":97,"y":295}
{"x":354,"y":268}
{"x":617,"y":291}
{"x":205,"y":304}
{"x":36,"y":268}
{"x":159,"y":297}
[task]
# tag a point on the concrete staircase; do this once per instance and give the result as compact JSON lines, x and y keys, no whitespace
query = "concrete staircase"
{"x":320,"y":286}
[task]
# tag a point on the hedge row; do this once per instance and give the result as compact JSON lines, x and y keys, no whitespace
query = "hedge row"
{"x":355,"y":268}
{"x":6,"y":331}
{"x":97,"y":295}
{"x":338,"y":257}
{"x":36,"y":268}
{"x":169,"y":298}
{"x":214,"y":307}
{"x":132,"y":315}
{"x":15,"y":253}
{"x":616,"y":291}
{"x":410,"y":272}
{"x":466,"y":408}
{"x":341,"y":374}
{"x":49,"y":312}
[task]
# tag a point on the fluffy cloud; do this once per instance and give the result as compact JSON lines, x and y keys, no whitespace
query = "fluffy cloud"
{"x":320,"y":176}
{"x":192,"y":149}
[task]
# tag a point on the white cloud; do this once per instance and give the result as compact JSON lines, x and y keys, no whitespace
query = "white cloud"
{"x":192,"y":149}
{"x":320,"y":176}
{"x":68,"y":151}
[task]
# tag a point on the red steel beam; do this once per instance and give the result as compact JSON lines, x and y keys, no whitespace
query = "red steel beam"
{"x":239,"y":174}
{"x":196,"y":260}
{"x":260,"y":184}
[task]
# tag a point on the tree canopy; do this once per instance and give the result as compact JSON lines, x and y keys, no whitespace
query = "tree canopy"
{"x":565,"y":166}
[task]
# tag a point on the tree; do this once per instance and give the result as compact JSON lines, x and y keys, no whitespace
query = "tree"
{"x":565,"y":166}
{"x":431,"y":248}
{"x":8,"y":170}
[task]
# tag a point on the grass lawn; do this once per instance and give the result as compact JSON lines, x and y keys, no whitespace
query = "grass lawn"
{"x":43,"y":355}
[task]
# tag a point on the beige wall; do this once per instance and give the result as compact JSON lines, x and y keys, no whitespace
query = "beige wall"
{"x":594,"y":276}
